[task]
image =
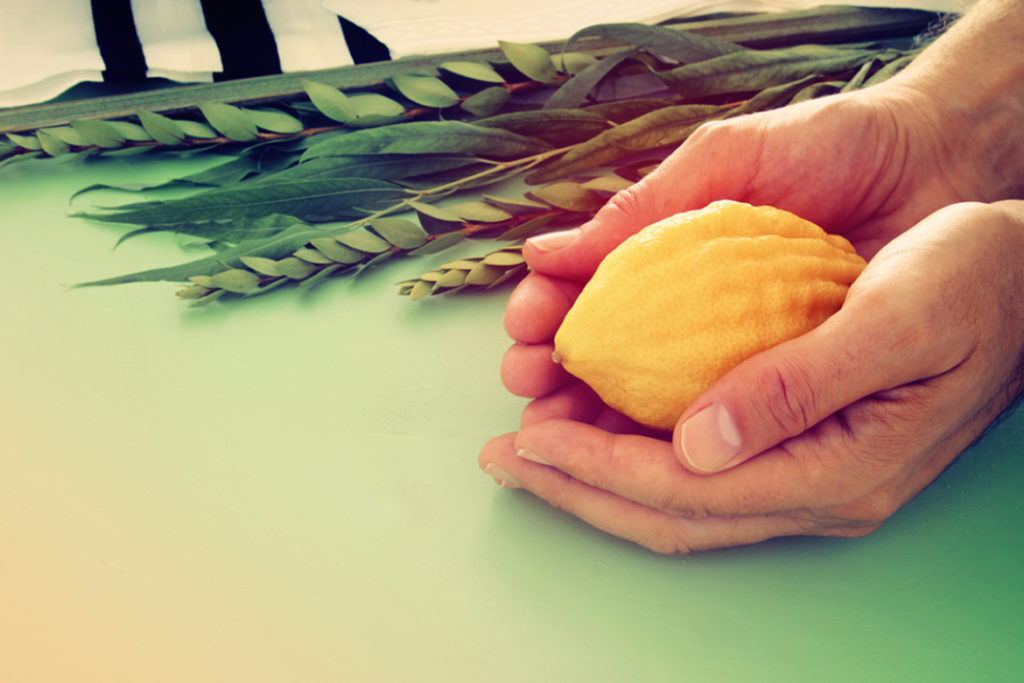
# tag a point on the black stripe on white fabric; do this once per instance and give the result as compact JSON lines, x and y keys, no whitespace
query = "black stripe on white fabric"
{"x":361,"y":45}
{"x":243,"y":37}
{"x":118,"y":40}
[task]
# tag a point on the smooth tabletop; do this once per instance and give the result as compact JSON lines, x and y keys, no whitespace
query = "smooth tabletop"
{"x":285,"y":489}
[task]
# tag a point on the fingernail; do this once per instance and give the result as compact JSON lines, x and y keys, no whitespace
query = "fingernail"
{"x":710,"y":439}
{"x":531,"y":456}
{"x":502,"y":477}
{"x":554,"y":240}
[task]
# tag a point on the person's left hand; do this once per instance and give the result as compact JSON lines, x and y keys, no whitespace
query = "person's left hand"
{"x":827,"y":434}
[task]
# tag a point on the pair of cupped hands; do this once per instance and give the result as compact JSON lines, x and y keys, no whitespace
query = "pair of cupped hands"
{"x":829,"y":433}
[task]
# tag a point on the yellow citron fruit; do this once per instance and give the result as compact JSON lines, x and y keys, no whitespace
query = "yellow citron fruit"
{"x":683,"y":301}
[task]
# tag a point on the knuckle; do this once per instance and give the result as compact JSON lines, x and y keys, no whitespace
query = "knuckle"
{"x":787,"y":398}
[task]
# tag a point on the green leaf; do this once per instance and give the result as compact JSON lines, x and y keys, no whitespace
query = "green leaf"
{"x":558,"y":127}
{"x":372,"y":109}
{"x":317,"y":258}
{"x":50,"y":143}
{"x":275,"y":121}
{"x":272,"y":248}
{"x":569,"y":196}
{"x":337,"y":252}
{"x":682,"y":46}
{"x":429,"y":91}
{"x":68,"y":135}
{"x":232,"y":122}
{"x":572,"y":63}
{"x":429,"y":137}
{"x":99,"y":133}
{"x":504,"y":258}
{"x":314,"y":200}
{"x":439,"y":244}
{"x":385,"y":166}
{"x":363,"y":240}
{"x":435,"y":220}
{"x":223,"y":174}
{"x":532,"y":61}
{"x":236,"y":280}
{"x":771,"y":98}
{"x":330,"y":101}
{"x":527,"y":228}
{"x":295,"y":268}
{"x":515,"y":205}
{"x":667,"y":126}
{"x":486,"y":102}
{"x":400,"y":232}
{"x":164,"y":130}
{"x":131,"y":131}
{"x":233,"y":230}
{"x":476,"y":71}
{"x":574,"y":91}
{"x":29,"y":142}
{"x":479,"y":212}
{"x":755,"y":70}
{"x":263,"y":266}
{"x":196,"y":129}
{"x":621,"y":111}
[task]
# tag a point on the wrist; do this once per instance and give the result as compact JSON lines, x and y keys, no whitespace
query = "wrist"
{"x":967,"y":92}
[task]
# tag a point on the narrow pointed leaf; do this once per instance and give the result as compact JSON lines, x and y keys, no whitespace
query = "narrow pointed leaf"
{"x":232,"y":122}
{"x":479,"y":212}
{"x":515,"y":205}
{"x":755,"y":70}
{"x":574,"y":91}
{"x":309,"y":200}
{"x":164,"y":130}
{"x":532,"y":61}
{"x":772,"y":98}
{"x":559,"y":127}
{"x":274,"y":247}
{"x":659,"y":128}
{"x":429,"y":137}
{"x":683,"y":46}
{"x":232,"y":231}
{"x":429,"y":91}
{"x":384,"y":166}
{"x":476,"y":71}
{"x":331,"y":102}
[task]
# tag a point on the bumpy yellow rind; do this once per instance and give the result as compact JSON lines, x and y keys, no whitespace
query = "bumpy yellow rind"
{"x":685,"y":300}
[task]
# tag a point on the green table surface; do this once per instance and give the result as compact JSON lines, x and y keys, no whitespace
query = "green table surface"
{"x":285,"y":489}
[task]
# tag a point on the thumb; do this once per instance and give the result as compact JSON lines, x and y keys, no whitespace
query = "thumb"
{"x":784,"y":391}
{"x":575,"y":254}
